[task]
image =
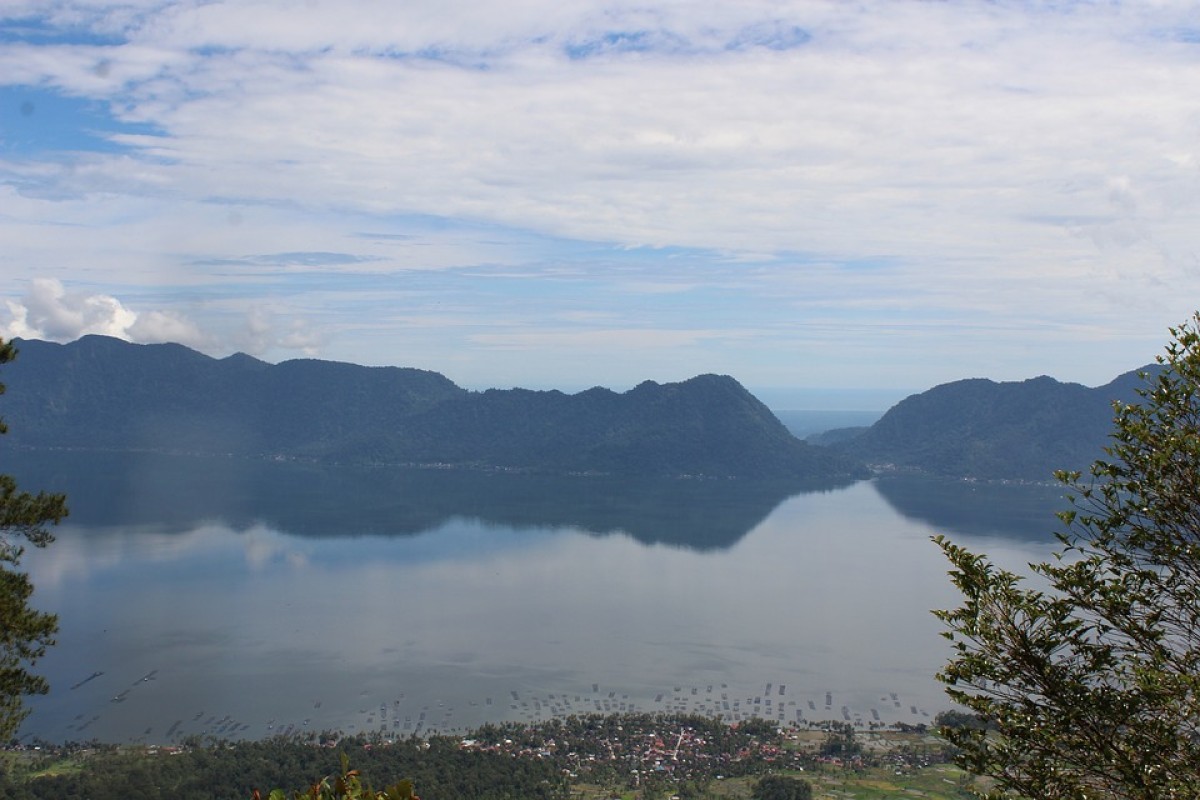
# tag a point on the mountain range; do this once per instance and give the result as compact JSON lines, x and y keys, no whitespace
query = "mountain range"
{"x":104,"y":393}
{"x":101,"y":393}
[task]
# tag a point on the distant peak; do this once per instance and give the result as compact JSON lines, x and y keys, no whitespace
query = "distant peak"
{"x":100,"y":339}
{"x":597,"y":391}
{"x":706,"y":380}
{"x":243,"y":360}
{"x":711,"y":378}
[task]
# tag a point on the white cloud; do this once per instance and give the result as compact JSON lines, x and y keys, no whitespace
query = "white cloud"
{"x":165,"y":326}
{"x":914,"y":150}
{"x":953,"y":122}
{"x":265,"y":331}
{"x":1019,"y":164}
{"x":48,"y":311}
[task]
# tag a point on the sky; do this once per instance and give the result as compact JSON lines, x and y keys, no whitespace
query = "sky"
{"x":837,"y":203}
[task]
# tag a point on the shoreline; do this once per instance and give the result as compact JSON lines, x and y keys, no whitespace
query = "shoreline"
{"x":134,"y":717}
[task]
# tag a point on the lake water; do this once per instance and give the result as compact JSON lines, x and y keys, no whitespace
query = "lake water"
{"x":244,"y":599}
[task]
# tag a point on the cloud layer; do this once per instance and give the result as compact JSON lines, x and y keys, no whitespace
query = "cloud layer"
{"x":667,"y":186}
{"x":49,"y":311}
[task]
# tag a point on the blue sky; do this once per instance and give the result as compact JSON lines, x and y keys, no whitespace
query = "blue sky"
{"x":838,"y":204}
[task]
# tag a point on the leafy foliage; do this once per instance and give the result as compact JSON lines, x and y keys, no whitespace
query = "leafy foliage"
{"x":25,"y":633}
{"x":1093,"y":683}
{"x":216,"y":770}
{"x":958,"y":719}
{"x":840,"y":741}
{"x":347,"y":785}
{"x":779,"y":787}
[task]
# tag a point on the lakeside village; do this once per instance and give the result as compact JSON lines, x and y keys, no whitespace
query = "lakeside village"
{"x":638,"y":755}
{"x":688,"y":748}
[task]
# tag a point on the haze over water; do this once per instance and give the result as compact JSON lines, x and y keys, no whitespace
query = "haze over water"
{"x":244,"y":599}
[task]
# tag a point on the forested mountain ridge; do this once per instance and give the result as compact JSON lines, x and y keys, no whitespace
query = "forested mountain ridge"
{"x":104,"y":393}
{"x":980,"y":428}
{"x":101,"y":392}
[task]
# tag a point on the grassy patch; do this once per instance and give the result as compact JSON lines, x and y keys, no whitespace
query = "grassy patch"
{"x":35,"y":765}
{"x":66,"y":766}
{"x":932,"y":783}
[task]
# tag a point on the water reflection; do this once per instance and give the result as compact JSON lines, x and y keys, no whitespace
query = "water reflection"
{"x":244,"y":609}
{"x":178,"y":493}
{"x":974,"y":509}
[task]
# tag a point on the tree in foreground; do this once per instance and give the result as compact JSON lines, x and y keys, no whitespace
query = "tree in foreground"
{"x":346,"y":786}
{"x":1090,"y":681}
{"x":24,"y":632}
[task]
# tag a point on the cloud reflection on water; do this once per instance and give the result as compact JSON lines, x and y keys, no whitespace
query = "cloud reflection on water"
{"x":824,"y":592}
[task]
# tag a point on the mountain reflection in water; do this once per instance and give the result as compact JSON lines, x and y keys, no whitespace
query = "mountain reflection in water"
{"x":974,"y":509}
{"x":247,"y":598}
{"x":106,"y":489}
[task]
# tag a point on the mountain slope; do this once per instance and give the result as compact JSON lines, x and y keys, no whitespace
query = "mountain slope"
{"x":708,"y":425}
{"x":984,"y":429}
{"x":103,"y":393}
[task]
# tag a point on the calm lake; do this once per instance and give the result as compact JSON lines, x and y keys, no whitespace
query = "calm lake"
{"x":244,"y":599}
